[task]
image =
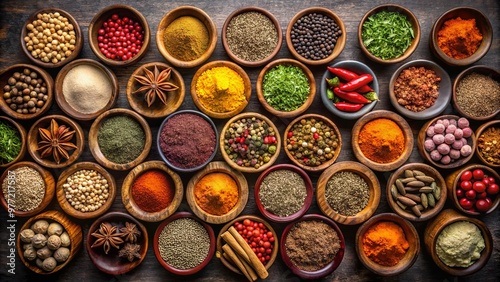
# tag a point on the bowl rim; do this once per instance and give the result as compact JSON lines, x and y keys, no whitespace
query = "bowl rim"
{"x":479,"y":131}
{"x":22,"y":135}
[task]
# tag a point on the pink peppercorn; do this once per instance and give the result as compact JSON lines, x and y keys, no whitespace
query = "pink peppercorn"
{"x":120,"y":39}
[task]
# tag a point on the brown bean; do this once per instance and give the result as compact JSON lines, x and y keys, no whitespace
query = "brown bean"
{"x":401,"y":205}
{"x":417,"y":172}
{"x":416,"y":211}
{"x":407,"y":180}
{"x":425,"y":201}
{"x":394,"y":192}
{"x":406,"y":201}
{"x":416,"y":183}
{"x":431,"y":200}
{"x":424,"y":178}
{"x":411,"y":189}
{"x":414,"y":197}
{"x":426,"y":189}
{"x":400,"y":187}
{"x":408,"y":173}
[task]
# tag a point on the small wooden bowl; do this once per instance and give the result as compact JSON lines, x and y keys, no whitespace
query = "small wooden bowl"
{"x":234,"y":67}
{"x":61,"y":194}
{"x":94,"y":145}
{"x":193,"y":270}
{"x":484,"y":70}
{"x":111,"y":263}
{"x":220,"y":242}
{"x":48,"y":179}
{"x":479,"y":131}
{"x":123,"y":11}
{"x":407,"y":213}
{"x":332,"y":266}
{"x":483,"y":24}
{"x":133,"y":208}
{"x":157,"y":109}
{"x":232,"y":163}
{"x":307,"y":201}
{"x":434,"y":228}
{"x":8,"y":72}
{"x":453,"y":180}
{"x":74,"y":231}
{"x":364,"y":172}
{"x":409,"y":258}
{"x":34,"y":138}
{"x":177,"y":13}
{"x":238,"y":177}
{"x":339,"y":45}
{"x":66,"y":107}
{"x":299,"y":110}
{"x":22,"y":134}
{"x":241,"y":61}
{"x":391,"y":8}
{"x":78,"y":35}
{"x":401,"y":122}
{"x":426,"y":156}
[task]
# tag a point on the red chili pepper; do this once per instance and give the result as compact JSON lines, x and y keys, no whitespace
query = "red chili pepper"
{"x":356,"y":83}
{"x":349,"y":75}
{"x":352,"y":97}
{"x":348,"y":107}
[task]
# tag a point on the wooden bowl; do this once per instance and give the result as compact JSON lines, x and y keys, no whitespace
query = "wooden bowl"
{"x":111,"y":263}
{"x":8,"y":72}
{"x":22,"y":134}
{"x":453,"y":180}
{"x":220,"y":242}
{"x":134,"y":209}
{"x":401,"y":122}
{"x":426,"y":156}
{"x":234,"y":67}
{"x":94,"y":145}
{"x":193,"y":270}
{"x":444,"y":94}
{"x":223,"y":144}
{"x":299,"y":110}
{"x":307,"y":201}
{"x":391,"y":8}
{"x":483,"y":24}
{"x":157,"y":109}
{"x":66,"y":107}
{"x":78,"y":35}
{"x":479,"y":151}
{"x":370,"y":179}
{"x":48,"y":179}
{"x":339,"y":45}
{"x":186,"y":11}
{"x":484,"y":70}
{"x":238,"y":177}
{"x":434,"y":228}
{"x":409,"y":258}
{"x":74,"y":231}
{"x":332,"y":266}
{"x":243,"y":61}
{"x":34,"y":138}
{"x":122,"y":11}
{"x":66,"y":205}
{"x":407,"y":213}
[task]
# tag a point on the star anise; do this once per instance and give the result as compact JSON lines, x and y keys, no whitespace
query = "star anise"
{"x":130,"y":251}
{"x":56,"y":141}
{"x":130,"y":232}
{"x":155,"y":84}
{"x":107,"y":237}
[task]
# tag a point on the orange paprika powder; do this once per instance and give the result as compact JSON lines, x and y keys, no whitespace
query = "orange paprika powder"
{"x":216,"y":193}
{"x":381,"y":140}
{"x":385,"y":243}
{"x":152,"y":191}
{"x":459,"y":38}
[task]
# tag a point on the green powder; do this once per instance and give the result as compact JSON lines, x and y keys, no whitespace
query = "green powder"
{"x":121,"y":139}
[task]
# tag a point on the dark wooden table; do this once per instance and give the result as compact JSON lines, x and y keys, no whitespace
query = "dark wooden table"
{"x":13,"y":13}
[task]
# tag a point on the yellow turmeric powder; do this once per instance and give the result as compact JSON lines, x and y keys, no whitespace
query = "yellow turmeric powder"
{"x":220,"y":89}
{"x":216,"y":193}
{"x":459,"y":38}
{"x":385,"y":243}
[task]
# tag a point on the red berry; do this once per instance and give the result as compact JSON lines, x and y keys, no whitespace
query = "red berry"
{"x":486,"y":181}
{"x":479,"y":186}
{"x":482,"y":205}
{"x":478,"y":174}
{"x":289,"y":134}
{"x":470,"y":194}
{"x":482,"y":195}
{"x":493,"y":189}
{"x":115,"y":17}
{"x":491,"y":179}
{"x":465,"y":203}
{"x":466,"y":175}
{"x":460,"y":193}
{"x":466,"y":185}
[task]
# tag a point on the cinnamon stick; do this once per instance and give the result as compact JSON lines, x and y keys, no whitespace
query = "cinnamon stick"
{"x":231,"y":256}
{"x":231,"y":241}
{"x":254,"y":260}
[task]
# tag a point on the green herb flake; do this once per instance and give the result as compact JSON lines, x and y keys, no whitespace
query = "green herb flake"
{"x":10,"y":143}
{"x":285,"y":87}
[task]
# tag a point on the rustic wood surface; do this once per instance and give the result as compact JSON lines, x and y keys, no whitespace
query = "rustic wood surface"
{"x":13,"y":13}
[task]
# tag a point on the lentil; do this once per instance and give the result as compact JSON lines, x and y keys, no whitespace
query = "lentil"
{"x":25,"y":92}
{"x":478,"y":95}
{"x":488,"y":144}
{"x":417,"y":88}
{"x":86,"y":190}
{"x":347,"y":193}
{"x":27,"y":191}
{"x":184,"y":243}
{"x":283,"y":192}
{"x":285,"y":87}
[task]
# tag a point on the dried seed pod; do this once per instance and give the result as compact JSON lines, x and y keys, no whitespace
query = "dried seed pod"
{"x":407,"y":180}
{"x":394,"y":192}
{"x":431,"y":200}
{"x":408,"y":173}
{"x":407,"y":201}
{"x":420,"y":207}
{"x":417,"y":173}
{"x":437,"y":193}
{"x":400,"y":187}
{"x":424,"y":200}
{"x":401,"y":205}
{"x":411,"y":189}
{"x":414,"y":197}
{"x":416,"y":211}
{"x":416,"y":183}
{"x":424,"y":178}
{"x":425,"y":189}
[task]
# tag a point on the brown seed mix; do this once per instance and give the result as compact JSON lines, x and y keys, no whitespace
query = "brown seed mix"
{"x":417,"y":89}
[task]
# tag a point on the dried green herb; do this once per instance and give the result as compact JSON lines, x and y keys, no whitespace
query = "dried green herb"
{"x":285,"y":87}
{"x":10,"y":143}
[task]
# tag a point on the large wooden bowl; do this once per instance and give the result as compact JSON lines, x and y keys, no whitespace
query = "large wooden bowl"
{"x":133,"y":208}
{"x":94,"y":145}
{"x":303,"y":107}
{"x":48,"y":179}
{"x":22,"y":134}
{"x":364,"y":172}
{"x":8,"y":72}
{"x":66,"y":107}
{"x":238,"y":177}
{"x":401,"y":122}
{"x":74,"y":231}
{"x":34,"y":138}
{"x":66,"y":205}
{"x":234,"y":67}
{"x":479,"y":153}
{"x":157,"y":109}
